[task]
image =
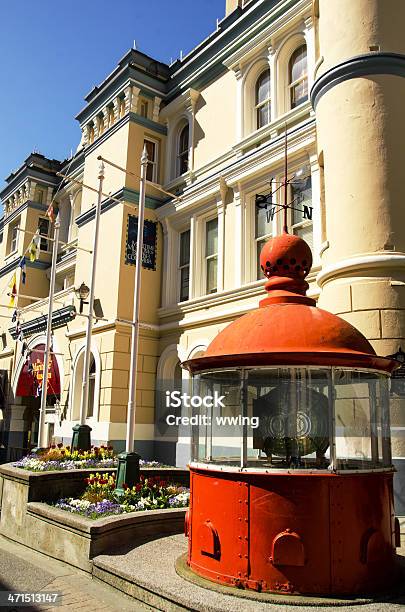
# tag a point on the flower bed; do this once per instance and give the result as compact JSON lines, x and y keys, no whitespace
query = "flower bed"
{"x":60,"y":458}
{"x":101,"y":499}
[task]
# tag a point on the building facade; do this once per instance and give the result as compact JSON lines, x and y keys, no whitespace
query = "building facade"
{"x":214,"y":127}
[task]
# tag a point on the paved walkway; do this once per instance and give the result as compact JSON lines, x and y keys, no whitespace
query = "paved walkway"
{"x":146,"y":572}
{"x":22,"y":569}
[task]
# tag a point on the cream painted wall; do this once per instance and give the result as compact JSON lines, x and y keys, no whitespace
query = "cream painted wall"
{"x":350,"y":28}
{"x":114,"y":148}
{"x":215,"y":120}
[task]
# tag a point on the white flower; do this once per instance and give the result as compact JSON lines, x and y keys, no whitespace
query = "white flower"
{"x":81,"y":504}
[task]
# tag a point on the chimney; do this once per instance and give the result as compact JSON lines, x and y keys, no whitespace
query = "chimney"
{"x":231,"y":5}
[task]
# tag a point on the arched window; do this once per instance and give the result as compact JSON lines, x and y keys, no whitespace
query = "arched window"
{"x":298,"y":76}
{"x":263,"y":101}
{"x":77,"y":386}
{"x":183,"y":148}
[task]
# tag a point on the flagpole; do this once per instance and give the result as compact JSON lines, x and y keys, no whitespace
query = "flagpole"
{"x":128,"y":462}
{"x":81,"y":433}
{"x":42,"y":437}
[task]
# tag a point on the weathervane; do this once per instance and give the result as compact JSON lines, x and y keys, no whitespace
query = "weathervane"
{"x":266,"y":200}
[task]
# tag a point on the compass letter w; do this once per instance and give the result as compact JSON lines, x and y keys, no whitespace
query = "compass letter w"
{"x":270,"y":214}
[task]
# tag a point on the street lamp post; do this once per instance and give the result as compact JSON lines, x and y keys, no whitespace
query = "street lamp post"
{"x":128,"y":462}
{"x":81,"y":438}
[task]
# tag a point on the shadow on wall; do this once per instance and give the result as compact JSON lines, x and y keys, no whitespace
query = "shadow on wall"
{"x":199,"y":133}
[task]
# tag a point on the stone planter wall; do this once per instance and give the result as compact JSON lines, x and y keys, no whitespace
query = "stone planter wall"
{"x":76,"y":539}
{"x":54,"y":531}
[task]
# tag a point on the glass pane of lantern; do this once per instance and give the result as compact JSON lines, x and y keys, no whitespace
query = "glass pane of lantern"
{"x":219,"y":428}
{"x":358,"y":420}
{"x":289,"y":410}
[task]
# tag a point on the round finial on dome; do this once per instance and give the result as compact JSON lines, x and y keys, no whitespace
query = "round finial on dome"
{"x":286,"y":255}
{"x":285,"y":261}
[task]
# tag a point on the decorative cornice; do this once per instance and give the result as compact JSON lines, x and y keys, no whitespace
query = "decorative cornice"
{"x":43,"y":265}
{"x":59,"y":318}
{"x":360,"y":264}
{"x":126,"y":195}
{"x":356,"y":67}
{"x":152,"y":125}
{"x":28,"y":204}
{"x":157,"y":127}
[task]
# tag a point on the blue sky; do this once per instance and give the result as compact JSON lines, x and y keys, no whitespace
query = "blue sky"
{"x":53,"y":53}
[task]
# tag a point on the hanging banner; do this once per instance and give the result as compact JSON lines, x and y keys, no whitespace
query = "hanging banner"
{"x":31,"y":378}
{"x":149,"y":243}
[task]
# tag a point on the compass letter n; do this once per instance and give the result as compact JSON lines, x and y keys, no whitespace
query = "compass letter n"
{"x":307,"y":212}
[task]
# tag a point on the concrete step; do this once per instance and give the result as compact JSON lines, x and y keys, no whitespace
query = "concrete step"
{"x":148,"y":573}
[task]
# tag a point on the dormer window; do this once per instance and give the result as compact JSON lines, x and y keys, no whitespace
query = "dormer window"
{"x":183,"y":149}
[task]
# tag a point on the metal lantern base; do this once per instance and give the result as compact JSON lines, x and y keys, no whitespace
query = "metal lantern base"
{"x":127,"y":471}
{"x":81,"y":439}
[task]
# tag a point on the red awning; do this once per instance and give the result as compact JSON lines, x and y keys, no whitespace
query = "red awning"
{"x":29,"y":381}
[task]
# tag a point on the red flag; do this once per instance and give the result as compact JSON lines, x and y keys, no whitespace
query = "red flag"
{"x":52,"y":212}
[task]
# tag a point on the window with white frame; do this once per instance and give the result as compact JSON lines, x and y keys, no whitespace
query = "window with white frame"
{"x":151,"y":170}
{"x":184,"y":266}
{"x":182,"y":150}
{"x":263,"y":99}
{"x":264,"y":229}
{"x":43,"y":226}
{"x":298,"y":77}
{"x":13,"y":236}
{"x":301,"y":202}
{"x":211,"y":255}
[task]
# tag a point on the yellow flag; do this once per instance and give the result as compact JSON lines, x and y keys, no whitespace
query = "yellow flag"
{"x":13,"y":290}
{"x":33,"y":248}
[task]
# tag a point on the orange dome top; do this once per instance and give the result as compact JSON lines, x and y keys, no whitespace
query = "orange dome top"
{"x":288,"y":328}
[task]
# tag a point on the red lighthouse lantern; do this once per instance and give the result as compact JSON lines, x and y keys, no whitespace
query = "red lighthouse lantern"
{"x":291,"y":473}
